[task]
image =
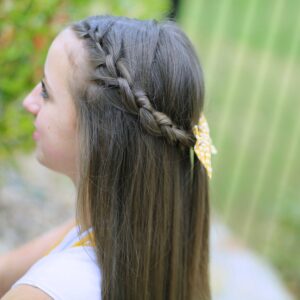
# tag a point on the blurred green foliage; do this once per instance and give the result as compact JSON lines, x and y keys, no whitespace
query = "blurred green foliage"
{"x":27,"y":28}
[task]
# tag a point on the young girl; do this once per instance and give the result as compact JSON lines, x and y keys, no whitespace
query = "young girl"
{"x":120,"y":111}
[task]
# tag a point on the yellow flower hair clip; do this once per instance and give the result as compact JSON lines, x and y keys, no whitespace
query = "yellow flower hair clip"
{"x":203,"y":146}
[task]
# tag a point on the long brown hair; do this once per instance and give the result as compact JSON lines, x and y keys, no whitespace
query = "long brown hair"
{"x":141,"y":187}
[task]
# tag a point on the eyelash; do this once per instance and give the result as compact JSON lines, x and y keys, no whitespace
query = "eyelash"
{"x":44,"y":93}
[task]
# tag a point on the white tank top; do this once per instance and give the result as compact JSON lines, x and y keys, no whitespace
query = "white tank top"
{"x":69,"y":271}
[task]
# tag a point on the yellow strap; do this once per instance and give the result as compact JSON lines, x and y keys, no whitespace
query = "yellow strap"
{"x":88,"y":240}
{"x":57,"y":243}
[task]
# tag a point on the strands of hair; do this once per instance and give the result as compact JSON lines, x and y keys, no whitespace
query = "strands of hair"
{"x":174,"y":10}
{"x":144,"y":195}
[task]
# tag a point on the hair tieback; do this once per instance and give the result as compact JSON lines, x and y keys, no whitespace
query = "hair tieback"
{"x":203,"y":146}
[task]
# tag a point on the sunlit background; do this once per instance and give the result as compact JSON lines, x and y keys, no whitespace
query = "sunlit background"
{"x":249,"y":50}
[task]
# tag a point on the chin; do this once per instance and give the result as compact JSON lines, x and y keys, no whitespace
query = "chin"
{"x":42,"y":159}
{"x":61,"y":166}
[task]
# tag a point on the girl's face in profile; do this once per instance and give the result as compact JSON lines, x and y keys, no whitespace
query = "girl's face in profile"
{"x":52,"y":105}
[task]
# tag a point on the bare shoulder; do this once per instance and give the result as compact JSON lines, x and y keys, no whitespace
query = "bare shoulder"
{"x":26,"y":292}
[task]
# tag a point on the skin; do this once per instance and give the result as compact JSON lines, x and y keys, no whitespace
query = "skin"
{"x":54,"y":111}
{"x":15,"y":264}
{"x":55,"y":135}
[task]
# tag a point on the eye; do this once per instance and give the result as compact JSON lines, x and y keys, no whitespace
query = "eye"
{"x":44,"y":93}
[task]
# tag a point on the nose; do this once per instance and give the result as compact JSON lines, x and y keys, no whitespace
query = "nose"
{"x":32,"y":101}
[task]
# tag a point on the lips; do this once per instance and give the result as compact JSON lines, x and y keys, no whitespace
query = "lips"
{"x":36,"y":134}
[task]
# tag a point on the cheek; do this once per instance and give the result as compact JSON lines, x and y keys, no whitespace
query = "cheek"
{"x":60,"y":139}
{"x":58,"y":128}
{"x":58,"y":145}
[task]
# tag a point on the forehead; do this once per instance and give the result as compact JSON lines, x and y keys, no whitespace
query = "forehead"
{"x":64,"y":64}
{"x":65,"y":50}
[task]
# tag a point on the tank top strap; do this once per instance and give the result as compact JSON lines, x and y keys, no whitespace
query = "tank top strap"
{"x":86,"y":240}
{"x":73,"y":239}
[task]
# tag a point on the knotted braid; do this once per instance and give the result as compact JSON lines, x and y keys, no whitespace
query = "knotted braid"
{"x":111,"y":70}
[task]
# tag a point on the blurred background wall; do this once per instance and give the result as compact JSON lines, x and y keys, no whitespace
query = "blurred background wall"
{"x":251,"y":54}
{"x":251,"y":58}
